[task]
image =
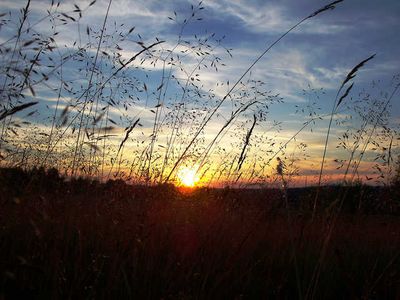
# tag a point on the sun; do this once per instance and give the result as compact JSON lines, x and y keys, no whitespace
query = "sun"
{"x":187,"y":176}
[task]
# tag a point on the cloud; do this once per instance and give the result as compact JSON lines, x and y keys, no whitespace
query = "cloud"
{"x":267,"y":17}
{"x":254,"y":17}
{"x":319,"y":55}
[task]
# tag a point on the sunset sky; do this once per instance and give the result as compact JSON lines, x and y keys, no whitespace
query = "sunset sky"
{"x":316,"y":56}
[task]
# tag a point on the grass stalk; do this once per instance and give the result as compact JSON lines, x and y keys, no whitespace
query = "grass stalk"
{"x":209,"y":117}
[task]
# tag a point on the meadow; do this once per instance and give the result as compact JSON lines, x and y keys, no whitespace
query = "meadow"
{"x":85,"y":239}
{"x":127,"y":173}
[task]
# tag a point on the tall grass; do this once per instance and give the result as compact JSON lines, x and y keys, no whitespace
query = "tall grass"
{"x":84,"y":114}
{"x":81,"y":238}
{"x":135,"y":108}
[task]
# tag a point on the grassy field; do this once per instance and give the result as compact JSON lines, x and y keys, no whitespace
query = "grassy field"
{"x":85,"y":95}
{"x":84,"y":239}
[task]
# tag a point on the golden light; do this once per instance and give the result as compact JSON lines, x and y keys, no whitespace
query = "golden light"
{"x":187,"y":176}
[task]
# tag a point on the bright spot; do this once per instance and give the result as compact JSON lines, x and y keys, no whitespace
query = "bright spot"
{"x":187,"y":176}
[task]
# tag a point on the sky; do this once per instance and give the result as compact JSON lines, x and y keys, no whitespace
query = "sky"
{"x":308,"y":65}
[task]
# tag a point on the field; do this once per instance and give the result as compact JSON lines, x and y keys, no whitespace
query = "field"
{"x":83,"y":239}
{"x":199,"y":150}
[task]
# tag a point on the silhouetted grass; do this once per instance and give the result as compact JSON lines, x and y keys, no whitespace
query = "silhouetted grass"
{"x":85,"y":239}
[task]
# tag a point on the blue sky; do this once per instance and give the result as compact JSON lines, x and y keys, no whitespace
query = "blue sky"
{"x":317,"y":55}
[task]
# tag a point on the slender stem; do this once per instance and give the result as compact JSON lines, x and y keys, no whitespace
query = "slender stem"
{"x":88,"y":89}
{"x":208,"y":118}
{"x":325,"y":149}
{"x":373,"y":130}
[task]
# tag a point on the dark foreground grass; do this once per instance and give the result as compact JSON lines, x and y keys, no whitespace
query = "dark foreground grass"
{"x":82,"y":239}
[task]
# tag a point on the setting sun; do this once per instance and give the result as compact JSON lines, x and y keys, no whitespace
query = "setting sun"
{"x":187,"y":176}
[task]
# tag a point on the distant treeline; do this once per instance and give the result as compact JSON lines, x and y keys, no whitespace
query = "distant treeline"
{"x":16,"y":183}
